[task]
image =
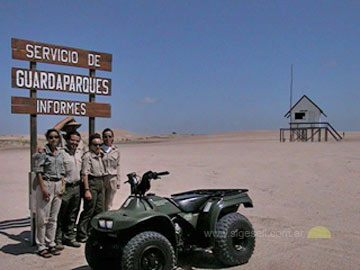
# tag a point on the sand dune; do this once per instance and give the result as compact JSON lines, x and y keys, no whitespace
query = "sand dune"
{"x":121,"y":137}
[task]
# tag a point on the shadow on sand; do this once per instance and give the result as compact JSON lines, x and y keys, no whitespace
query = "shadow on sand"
{"x":85,"y":267}
{"x":15,"y":223}
{"x":197,"y":259}
{"x":23,"y":246}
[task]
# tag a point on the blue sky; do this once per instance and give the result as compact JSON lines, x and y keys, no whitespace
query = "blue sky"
{"x":196,"y":66}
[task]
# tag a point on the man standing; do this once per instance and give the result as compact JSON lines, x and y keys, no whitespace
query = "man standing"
{"x":93,"y":174}
{"x":71,"y":199}
{"x":67,"y":126}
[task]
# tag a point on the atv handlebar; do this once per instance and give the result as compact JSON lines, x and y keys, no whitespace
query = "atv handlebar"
{"x":156,"y":175}
{"x":140,"y":187}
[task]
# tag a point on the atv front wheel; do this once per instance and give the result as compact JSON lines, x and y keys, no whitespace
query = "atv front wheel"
{"x":148,"y":251}
{"x":91,"y":255}
{"x":234,"y":239}
{"x":101,"y":255}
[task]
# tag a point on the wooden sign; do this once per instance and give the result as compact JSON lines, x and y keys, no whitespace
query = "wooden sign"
{"x":59,"y":107}
{"x":60,"y":55}
{"x":54,"y":81}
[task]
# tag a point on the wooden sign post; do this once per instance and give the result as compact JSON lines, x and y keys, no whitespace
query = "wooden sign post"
{"x":33,"y":123}
{"x":91,"y":100}
{"x":34,"y":80}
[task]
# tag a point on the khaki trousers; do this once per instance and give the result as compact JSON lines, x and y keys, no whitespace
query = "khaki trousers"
{"x":70,"y":206}
{"x":110,"y":190}
{"x":91,"y":208}
{"x":46,"y":214}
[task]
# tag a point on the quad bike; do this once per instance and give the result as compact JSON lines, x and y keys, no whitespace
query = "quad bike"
{"x":148,"y":231}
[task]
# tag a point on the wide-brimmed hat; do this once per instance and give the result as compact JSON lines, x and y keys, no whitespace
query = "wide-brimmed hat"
{"x":72,"y":124}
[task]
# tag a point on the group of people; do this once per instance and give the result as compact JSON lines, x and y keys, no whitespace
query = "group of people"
{"x":66,"y":171}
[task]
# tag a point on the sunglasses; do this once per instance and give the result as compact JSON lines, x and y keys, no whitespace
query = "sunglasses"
{"x":53,"y":137}
{"x":96,"y":144}
{"x":107,"y":137}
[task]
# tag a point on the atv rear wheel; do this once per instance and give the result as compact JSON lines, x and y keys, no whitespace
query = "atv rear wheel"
{"x":234,"y":239}
{"x":148,"y":251}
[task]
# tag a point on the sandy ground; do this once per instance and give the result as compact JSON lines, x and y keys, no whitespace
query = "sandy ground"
{"x":294,"y":187}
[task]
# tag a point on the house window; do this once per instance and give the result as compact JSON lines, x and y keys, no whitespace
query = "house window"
{"x":299,"y":116}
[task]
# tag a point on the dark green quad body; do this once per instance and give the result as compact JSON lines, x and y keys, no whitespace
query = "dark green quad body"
{"x":186,"y":220}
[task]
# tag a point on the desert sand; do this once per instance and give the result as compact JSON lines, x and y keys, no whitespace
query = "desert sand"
{"x":294,"y":187}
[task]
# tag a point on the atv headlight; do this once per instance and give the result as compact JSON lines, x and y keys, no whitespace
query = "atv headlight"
{"x":109,"y":224}
{"x":106,"y":224}
{"x":102,"y":223}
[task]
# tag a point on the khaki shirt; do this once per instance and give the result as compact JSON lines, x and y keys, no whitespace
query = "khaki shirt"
{"x":72,"y":164}
{"x":93,"y":165}
{"x":112,"y":162}
{"x":49,"y":165}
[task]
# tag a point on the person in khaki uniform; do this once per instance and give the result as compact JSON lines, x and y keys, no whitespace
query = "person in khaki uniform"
{"x":67,"y":126}
{"x":93,"y":174}
{"x":49,"y":169}
{"x":70,"y":204}
{"x":111,"y":160}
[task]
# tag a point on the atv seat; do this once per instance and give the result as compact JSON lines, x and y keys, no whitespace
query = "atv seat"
{"x":189,"y":202}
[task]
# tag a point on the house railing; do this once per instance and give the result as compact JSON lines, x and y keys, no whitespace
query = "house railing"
{"x":308,"y":131}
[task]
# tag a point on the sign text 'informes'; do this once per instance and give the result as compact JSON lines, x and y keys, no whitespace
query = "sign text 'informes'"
{"x":60,"y":55}
{"x":59,"y":107}
{"x":54,"y":81}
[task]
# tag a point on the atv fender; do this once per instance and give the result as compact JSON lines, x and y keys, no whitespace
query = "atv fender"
{"x":219,"y":208}
{"x":131,"y":223}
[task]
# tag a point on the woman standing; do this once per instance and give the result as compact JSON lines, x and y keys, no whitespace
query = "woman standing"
{"x":49,"y":169}
{"x":112,"y":164}
{"x":93,"y":174}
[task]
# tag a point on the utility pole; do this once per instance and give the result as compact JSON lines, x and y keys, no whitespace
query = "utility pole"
{"x":291,"y":90}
